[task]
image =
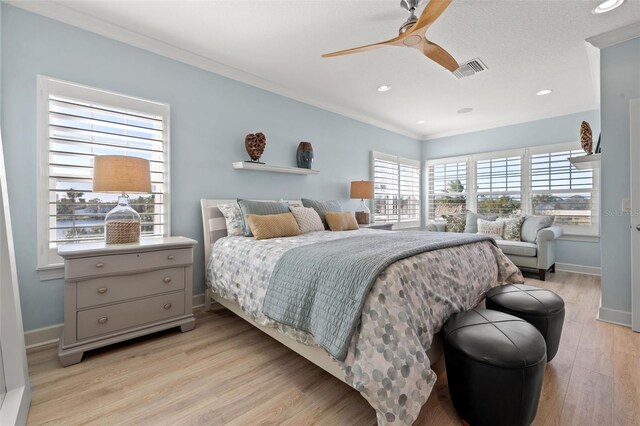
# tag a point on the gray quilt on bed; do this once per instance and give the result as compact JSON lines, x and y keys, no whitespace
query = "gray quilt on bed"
{"x":321,"y":288}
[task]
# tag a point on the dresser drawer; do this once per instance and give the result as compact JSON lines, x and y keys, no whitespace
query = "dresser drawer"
{"x":107,"y":319}
{"x":118,"y":263}
{"x":98,"y":291}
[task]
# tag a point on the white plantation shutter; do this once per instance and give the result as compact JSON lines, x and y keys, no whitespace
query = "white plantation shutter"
{"x":77,"y":124}
{"x":447,"y":184}
{"x":499,"y":185}
{"x":558,"y":189}
{"x":396,"y":189}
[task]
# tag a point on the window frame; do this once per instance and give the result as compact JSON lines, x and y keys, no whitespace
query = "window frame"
{"x":49,"y":264}
{"x":398,"y":224}
{"x":577,"y":232}
{"x":429,"y":184}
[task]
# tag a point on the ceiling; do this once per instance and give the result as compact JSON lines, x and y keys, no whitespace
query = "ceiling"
{"x":527,"y":45}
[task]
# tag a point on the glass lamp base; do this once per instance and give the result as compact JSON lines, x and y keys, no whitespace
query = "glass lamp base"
{"x":122,"y":224}
{"x":363,"y":214}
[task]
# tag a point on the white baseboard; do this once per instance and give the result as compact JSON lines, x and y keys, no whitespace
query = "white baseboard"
{"x":51,"y":334}
{"x":614,"y":316}
{"x":580,"y":269}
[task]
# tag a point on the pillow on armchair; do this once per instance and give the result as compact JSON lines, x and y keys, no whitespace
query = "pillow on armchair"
{"x":471,"y":225}
{"x":454,"y":222}
{"x":533,"y":224}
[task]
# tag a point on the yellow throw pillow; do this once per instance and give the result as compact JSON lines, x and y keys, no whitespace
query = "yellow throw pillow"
{"x":341,"y":221}
{"x":268,"y":226}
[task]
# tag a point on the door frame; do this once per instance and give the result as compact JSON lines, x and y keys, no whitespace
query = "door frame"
{"x":15,"y":407}
{"x":634,"y":142}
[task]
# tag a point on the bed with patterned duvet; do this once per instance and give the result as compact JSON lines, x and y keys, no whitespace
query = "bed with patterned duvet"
{"x":407,"y":303}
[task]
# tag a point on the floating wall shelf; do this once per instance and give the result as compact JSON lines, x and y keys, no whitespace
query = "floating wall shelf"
{"x":245,"y":165}
{"x":586,"y":162}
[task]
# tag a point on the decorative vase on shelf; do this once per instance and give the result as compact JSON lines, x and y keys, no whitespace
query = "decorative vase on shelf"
{"x":304,"y":155}
{"x":255,"y":145}
{"x":586,"y":138}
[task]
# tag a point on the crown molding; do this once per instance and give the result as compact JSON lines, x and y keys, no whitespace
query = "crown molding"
{"x":613,"y":37}
{"x":504,"y":123}
{"x":53,"y":10}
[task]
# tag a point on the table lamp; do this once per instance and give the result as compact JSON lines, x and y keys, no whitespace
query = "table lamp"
{"x":362,"y":189}
{"x":118,"y":173}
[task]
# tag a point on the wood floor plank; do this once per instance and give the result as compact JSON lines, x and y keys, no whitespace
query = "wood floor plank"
{"x":226,"y":372}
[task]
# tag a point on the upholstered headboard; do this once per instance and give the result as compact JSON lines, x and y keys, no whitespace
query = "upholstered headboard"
{"x":214,"y":225}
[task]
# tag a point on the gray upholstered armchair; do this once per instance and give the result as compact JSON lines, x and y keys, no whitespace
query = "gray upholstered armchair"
{"x":538,"y":251}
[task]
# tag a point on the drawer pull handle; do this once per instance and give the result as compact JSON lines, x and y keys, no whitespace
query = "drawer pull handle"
{"x":171,"y":257}
{"x":167,"y":280}
{"x":103,"y":320}
{"x":167,"y":306}
{"x":99,"y":265}
{"x":103,"y":290}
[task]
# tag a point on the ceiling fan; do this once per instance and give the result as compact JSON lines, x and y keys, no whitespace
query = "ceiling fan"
{"x":413,"y":34}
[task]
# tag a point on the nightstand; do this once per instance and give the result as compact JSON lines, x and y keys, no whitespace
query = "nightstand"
{"x":115,"y":292}
{"x":385,"y":226}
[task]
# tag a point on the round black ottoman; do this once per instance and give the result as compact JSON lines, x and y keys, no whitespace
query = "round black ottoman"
{"x":539,"y":307}
{"x":495,"y":365}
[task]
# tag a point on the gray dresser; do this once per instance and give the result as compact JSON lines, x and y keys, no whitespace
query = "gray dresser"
{"x":115,"y":292}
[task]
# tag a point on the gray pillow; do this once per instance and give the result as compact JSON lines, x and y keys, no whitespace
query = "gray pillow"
{"x":532,"y":224}
{"x":471,"y":226}
{"x":321,"y":207}
{"x":260,"y":208}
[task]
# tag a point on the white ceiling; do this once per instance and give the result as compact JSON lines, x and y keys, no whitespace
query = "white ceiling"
{"x":527,"y":45}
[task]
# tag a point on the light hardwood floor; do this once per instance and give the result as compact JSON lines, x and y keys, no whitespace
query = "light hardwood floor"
{"x":227,"y":372}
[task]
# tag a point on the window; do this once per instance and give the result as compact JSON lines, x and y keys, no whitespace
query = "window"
{"x":537,"y":180}
{"x":559,"y":189}
{"x":397,"y":190}
{"x":498,"y":186}
{"x":75,"y":124}
{"x":447,"y":189}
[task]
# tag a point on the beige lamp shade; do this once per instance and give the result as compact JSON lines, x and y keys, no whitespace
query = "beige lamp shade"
{"x":362,"y":189}
{"x":119,"y":173}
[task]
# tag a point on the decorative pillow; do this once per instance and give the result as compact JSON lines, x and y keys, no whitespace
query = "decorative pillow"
{"x":492,"y":228}
{"x":321,"y":207}
{"x":512,"y":227}
{"x":268,"y":226}
{"x":233,"y":218}
{"x":455,"y":223}
{"x":307,"y":218}
{"x":260,"y":208}
{"x":471,"y":225}
{"x":341,"y":221}
{"x":532,"y":224}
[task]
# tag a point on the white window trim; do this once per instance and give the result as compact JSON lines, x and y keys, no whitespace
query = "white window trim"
{"x":396,"y":158}
{"x":49,"y":264}
{"x":578,"y":233}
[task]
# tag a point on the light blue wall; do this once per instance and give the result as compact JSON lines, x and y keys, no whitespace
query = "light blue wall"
{"x":210,"y":116}
{"x":541,"y":132}
{"x":620,"y":82}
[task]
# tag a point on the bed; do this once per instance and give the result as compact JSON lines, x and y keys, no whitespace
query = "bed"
{"x":390,"y":353}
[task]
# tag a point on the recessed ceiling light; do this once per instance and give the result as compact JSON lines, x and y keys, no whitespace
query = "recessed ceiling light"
{"x":420,"y":122}
{"x":607,"y":6}
{"x":384,"y":88}
{"x":465,"y":110}
{"x":544,"y":92}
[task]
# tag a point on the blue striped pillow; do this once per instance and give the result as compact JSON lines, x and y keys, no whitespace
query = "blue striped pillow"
{"x":260,"y":208}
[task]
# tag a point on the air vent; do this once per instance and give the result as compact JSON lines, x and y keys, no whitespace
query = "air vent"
{"x":469,"y":68}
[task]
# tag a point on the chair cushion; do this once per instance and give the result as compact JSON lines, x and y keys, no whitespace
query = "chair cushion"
{"x":531,"y":226}
{"x":471,"y":225}
{"x":518,"y":248}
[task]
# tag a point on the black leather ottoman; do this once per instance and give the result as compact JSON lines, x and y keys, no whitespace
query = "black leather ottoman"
{"x":540,"y":307}
{"x":495,"y":365}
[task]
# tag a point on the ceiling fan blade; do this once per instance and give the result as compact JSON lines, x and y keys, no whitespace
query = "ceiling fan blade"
{"x":391,"y":42}
{"x":431,"y":12}
{"x":440,"y":56}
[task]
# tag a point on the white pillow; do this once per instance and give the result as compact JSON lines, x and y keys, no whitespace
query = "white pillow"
{"x":493,"y":229}
{"x":308,"y":219}
{"x":233,"y":218}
